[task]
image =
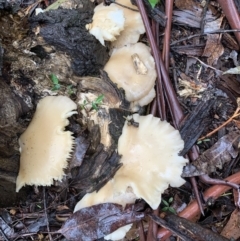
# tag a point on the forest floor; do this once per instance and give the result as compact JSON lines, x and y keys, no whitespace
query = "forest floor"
{"x":195,"y":45}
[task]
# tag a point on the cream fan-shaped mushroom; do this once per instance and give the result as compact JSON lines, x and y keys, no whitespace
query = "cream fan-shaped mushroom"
{"x":133,"y":26}
{"x":109,"y":194}
{"x":150,"y":159}
{"x":122,"y":70}
{"x":108,"y":22}
{"x":143,"y":101}
{"x":45,"y":146}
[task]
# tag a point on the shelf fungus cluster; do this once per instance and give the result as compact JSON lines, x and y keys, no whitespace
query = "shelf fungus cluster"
{"x":150,"y":161}
{"x":45,"y":146}
{"x":118,"y":24}
{"x":131,"y":65}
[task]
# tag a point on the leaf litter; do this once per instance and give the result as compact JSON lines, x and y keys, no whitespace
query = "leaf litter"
{"x":97,"y":221}
{"x":219,"y":154}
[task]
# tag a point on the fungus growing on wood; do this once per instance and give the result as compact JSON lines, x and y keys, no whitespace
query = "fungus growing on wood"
{"x":108,"y":22}
{"x":125,"y":72}
{"x":117,"y":24}
{"x":150,"y":159}
{"x":45,"y":146}
{"x":107,"y":115}
{"x":133,"y":26}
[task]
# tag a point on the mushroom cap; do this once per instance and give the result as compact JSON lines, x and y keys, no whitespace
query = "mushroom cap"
{"x":133,"y":26}
{"x":143,"y":101}
{"x":108,"y":194}
{"x":108,"y":22}
{"x":121,"y":70}
{"x":150,"y":159}
{"x":45,"y":146}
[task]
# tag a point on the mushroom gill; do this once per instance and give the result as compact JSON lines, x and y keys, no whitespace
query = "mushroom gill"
{"x":45,"y":146}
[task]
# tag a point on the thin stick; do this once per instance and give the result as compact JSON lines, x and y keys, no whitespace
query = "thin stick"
{"x":236,"y":114}
{"x":45,"y":210}
{"x":202,"y":34}
{"x":162,"y":111}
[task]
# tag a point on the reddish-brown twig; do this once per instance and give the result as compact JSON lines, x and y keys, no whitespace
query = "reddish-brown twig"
{"x":162,"y":111}
{"x":167,"y":33}
{"x":231,"y":12}
{"x":192,"y":210}
{"x":236,"y":114}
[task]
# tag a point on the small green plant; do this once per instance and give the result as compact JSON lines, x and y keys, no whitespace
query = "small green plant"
{"x":70,"y":89}
{"x":153,"y":2}
{"x":94,"y":104}
{"x":55,"y":81}
{"x":167,"y":207}
{"x":201,"y":141}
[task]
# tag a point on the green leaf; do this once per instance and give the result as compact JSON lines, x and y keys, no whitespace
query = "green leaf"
{"x":54,"y":79}
{"x":165,"y":203}
{"x":99,"y":99}
{"x":170,"y":200}
{"x":165,"y":209}
{"x":94,"y":106}
{"x":172,"y":210}
{"x":206,"y":140}
{"x":56,"y":87}
{"x":199,"y":142}
{"x":153,"y":2}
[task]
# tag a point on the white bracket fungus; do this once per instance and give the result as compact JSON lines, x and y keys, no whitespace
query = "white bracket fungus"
{"x":150,"y":159}
{"x":108,"y":22}
{"x":122,"y":71}
{"x":133,"y":26}
{"x":45,"y":146}
{"x":116,"y":23}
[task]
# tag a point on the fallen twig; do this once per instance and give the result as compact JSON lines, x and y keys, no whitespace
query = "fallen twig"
{"x":193,"y":210}
{"x":232,"y":15}
{"x":236,"y":114}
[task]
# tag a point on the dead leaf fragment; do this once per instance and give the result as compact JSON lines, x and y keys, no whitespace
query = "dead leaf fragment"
{"x":6,"y":229}
{"x":190,"y":89}
{"x":231,"y":230}
{"x":220,"y":153}
{"x":235,"y":70}
{"x":213,"y":49}
{"x":139,"y":65}
{"x":97,"y":221}
{"x":213,"y":24}
{"x":186,"y":4}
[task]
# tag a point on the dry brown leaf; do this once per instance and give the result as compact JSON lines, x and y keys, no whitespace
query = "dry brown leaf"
{"x":232,"y":230}
{"x":186,"y":4}
{"x":213,"y":24}
{"x":215,"y":157}
{"x":99,"y":220}
{"x":190,"y":89}
{"x":213,"y":49}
